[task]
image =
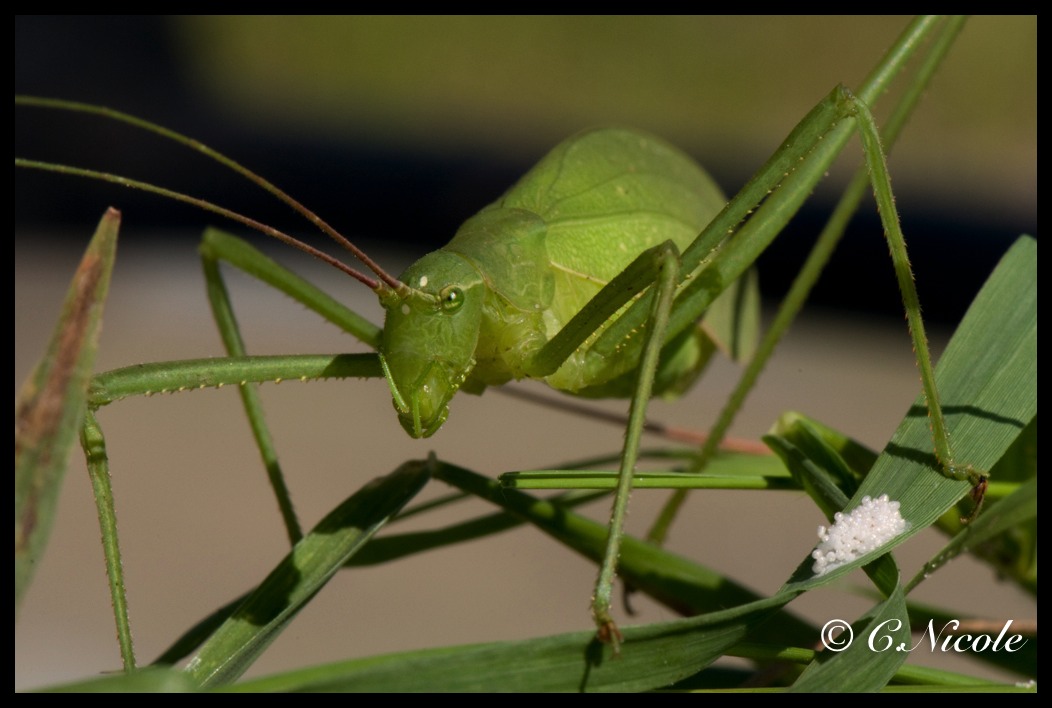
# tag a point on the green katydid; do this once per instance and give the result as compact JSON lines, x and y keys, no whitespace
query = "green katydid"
{"x":422,"y":418}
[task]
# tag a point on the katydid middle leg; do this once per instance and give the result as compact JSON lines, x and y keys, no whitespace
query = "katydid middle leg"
{"x":660,"y":266}
{"x":217,"y":246}
{"x":667,"y":262}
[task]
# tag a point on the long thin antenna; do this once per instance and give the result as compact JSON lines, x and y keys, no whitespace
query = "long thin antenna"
{"x":198,"y":146}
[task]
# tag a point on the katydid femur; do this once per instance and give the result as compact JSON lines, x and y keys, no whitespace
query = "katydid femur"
{"x":553,"y":280}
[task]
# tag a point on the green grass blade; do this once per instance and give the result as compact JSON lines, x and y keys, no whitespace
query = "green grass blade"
{"x":656,"y":655}
{"x":571,"y":479}
{"x":828,"y":480}
{"x":830,"y":466}
{"x":194,"y":637}
{"x":1021,"y":660}
{"x":1016,"y":509}
{"x":302,"y":573}
{"x":988,"y":382}
{"x":152,"y":679}
{"x":919,"y":677}
{"x":394,"y":546}
{"x":923,"y":679}
{"x":814,"y":464}
{"x":51,"y":404}
{"x":728,"y":471}
{"x":679,"y":583}
{"x":858,"y":458}
{"x":385,"y":549}
{"x":871,"y":660}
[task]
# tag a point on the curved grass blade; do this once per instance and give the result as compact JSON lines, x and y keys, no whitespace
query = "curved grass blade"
{"x":1018,"y":508}
{"x":302,"y":573}
{"x":394,"y":546}
{"x":987,"y":379}
{"x":815,"y":465}
{"x":1022,"y":660}
{"x":660,"y":655}
{"x":680,"y":583}
{"x":152,"y":679}
{"x":379,"y":550}
{"x":51,"y":404}
{"x":873,"y":657}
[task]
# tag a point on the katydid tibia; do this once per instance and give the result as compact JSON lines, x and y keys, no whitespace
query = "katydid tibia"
{"x":592,"y":272}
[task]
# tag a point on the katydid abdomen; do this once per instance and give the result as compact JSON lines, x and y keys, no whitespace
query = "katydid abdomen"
{"x":477,"y":311}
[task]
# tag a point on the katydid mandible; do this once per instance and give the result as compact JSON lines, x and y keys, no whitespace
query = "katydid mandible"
{"x":580,"y":320}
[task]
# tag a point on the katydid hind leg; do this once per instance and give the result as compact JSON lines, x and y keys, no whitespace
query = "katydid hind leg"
{"x":846,"y":106}
{"x":877,"y":165}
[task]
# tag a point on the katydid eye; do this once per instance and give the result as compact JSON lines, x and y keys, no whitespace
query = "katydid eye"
{"x":451,"y":298}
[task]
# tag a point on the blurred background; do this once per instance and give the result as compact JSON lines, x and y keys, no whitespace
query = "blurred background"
{"x":395,"y":130}
{"x":399,"y":128}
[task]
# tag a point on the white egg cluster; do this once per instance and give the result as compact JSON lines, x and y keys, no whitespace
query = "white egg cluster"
{"x":869,"y":526}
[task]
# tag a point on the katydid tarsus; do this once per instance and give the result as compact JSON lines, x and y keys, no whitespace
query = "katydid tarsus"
{"x":721,"y":254}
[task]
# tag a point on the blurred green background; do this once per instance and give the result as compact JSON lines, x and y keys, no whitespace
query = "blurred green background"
{"x":721,"y":87}
{"x":398,"y":128}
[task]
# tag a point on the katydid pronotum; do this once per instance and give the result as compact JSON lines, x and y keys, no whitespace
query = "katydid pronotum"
{"x":691,"y":318}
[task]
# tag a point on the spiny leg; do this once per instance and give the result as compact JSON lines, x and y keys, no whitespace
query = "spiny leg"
{"x":229,"y":331}
{"x":878,"y":170}
{"x":636,"y":276}
{"x":812,"y":268}
{"x":94,"y":444}
{"x":829,"y":116}
{"x":730,"y":244}
{"x":812,"y":137}
{"x":217,"y":246}
{"x":658,"y":267}
{"x":667,"y":263}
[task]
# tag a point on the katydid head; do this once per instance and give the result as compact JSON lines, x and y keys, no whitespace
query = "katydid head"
{"x":434,"y":312}
{"x":429,"y":338}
